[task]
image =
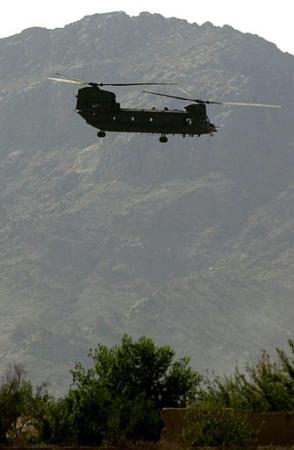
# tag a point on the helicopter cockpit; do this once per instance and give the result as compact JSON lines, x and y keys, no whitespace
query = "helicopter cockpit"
{"x":93,"y":98}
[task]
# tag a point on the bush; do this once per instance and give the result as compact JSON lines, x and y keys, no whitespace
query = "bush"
{"x":265,"y":386}
{"x":208,"y":424}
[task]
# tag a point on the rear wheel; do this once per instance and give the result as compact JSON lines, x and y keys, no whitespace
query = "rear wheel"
{"x":101,"y":134}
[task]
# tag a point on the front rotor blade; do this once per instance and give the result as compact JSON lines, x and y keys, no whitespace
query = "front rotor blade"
{"x":64,"y":76}
{"x":64,"y":80}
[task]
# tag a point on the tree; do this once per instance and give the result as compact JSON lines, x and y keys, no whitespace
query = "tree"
{"x":90,"y":406}
{"x":53,"y":419}
{"x":127,"y":386}
{"x":265,"y":386}
{"x":18,"y":404}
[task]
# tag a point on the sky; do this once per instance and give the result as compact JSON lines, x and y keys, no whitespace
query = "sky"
{"x":270,"y":19}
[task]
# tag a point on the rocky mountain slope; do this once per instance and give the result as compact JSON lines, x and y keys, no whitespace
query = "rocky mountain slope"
{"x":190,"y":242}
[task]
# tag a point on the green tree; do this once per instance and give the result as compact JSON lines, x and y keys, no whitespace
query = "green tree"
{"x":127,"y":386}
{"x":53,"y":419}
{"x":265,"y":386}
{"x":132,"y":420}
{"x":90,"y":406}
{"x":18,"y":404}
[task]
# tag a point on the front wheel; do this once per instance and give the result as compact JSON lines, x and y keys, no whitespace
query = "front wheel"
{"x":163,"y":139}
{"x":101,"y":134}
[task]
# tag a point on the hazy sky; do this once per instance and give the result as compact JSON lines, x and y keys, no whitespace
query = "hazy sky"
{"x":270,"y":19}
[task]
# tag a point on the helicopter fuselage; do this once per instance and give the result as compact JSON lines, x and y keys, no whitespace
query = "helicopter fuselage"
{"x":100,"y":110}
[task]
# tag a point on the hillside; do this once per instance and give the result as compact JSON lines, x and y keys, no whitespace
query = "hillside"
{"x":189,"y":242}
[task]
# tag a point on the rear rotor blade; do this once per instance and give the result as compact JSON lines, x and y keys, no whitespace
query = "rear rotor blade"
{"x":211,"y":102}
{"x":259,"y":105}
{"x":196,"y":100}
{"x":169,"y":96}
{"x":136,"y":84}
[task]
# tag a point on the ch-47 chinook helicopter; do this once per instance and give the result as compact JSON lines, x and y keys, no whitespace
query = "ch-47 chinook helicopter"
{"x":100,"y":109}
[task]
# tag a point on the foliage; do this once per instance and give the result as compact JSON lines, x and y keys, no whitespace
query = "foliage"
{"x":133,"y":420}
{"x":133,"y":368}
{"x":89,"y":405}
{"x":266,"y":386}
{"x":53,"y":419}
{"x":118,"y":399}
{"x":208,"y":424}
{"x":18,"y":405}
{"x":126,"y":388}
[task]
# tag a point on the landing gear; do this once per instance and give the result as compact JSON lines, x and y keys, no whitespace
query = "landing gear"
{"x":163,"y":138}
{"x":101,"y":134}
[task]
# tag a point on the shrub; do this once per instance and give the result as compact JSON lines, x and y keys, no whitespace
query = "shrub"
{"x":265,"y":386}
{"x":208,"y":424}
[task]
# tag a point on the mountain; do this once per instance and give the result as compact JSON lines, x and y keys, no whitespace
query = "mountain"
{"x":189,"y":242}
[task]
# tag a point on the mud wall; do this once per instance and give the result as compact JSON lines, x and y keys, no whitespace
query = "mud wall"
{"x":272,"y":428}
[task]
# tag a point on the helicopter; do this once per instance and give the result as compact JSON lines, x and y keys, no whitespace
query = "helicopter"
{"x":99,"y":108}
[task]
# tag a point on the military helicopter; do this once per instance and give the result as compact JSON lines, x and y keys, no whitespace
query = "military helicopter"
{"x":100,"y":109}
